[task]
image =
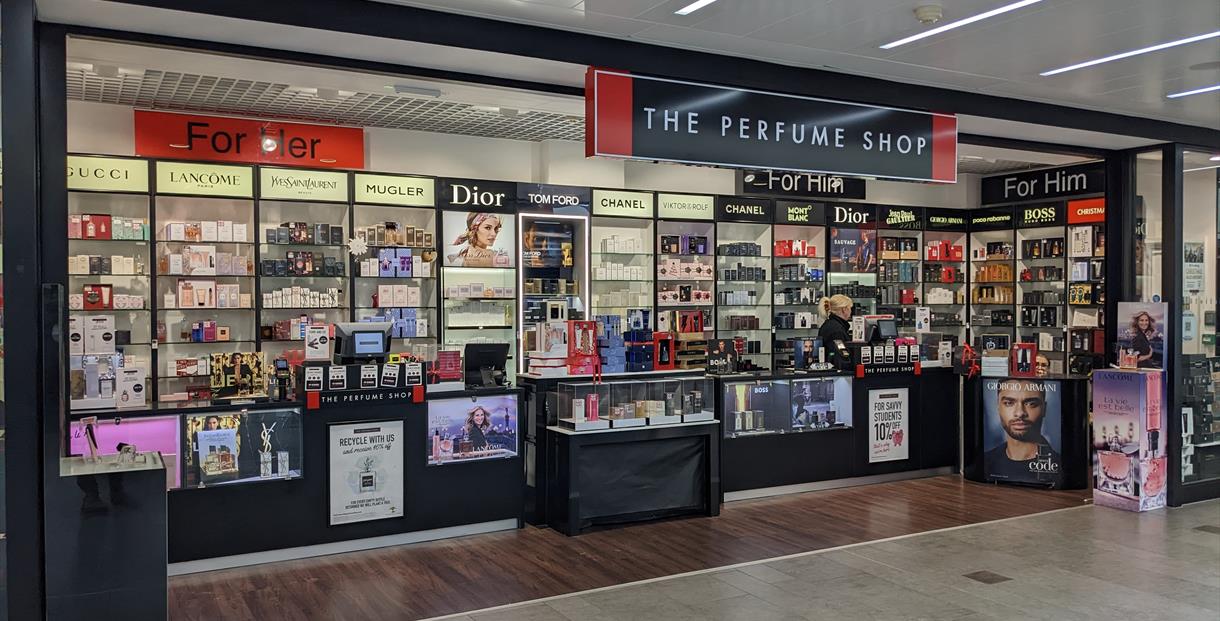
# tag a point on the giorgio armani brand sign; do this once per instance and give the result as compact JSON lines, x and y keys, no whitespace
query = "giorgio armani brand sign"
{"x":945,"y":219}
{"x":799,"y":184}
{"x":1079,"y":180}
{"x":649,"y":118}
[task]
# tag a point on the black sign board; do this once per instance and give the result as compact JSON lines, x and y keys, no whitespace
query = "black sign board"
{"x":852,"y":216}
{"x":994,"y":219}
{"x":744,"y":209}
{"x":561,"y":199}
{"x":477,"y":195}
{"x":649,"y":118}
{"x":896,"y":217}
{"x":935,"y":219}
{"x":1040,"y":185}
{"x":1041,"y":214}
{"x":799,"y":184}
{"x":800,"y":212}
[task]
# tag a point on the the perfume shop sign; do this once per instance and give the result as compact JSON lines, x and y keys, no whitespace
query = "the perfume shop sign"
{"x":800,"y":212}
{"x":205,"y":179}
{"x":658,"y":119}
{"x":1052,"y":214}
{"x":107,"y":174}
{"x":744,"y":209}
{"x":910,"y":218}
{"x":366,"y":471}
{"x":168,"y":135}
{"x":395,"y":190}
{"x":848,"y":216}
{"x":1037,"y":185}
{"x":625,"y":204}
{"x":799,"y":184}
{"x":300,"y":184}
{"x":686,"y":206}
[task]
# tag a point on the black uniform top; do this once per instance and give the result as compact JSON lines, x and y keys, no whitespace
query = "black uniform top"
{"x":834,"y":328}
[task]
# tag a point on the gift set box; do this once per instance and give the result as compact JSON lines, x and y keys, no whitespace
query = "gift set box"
{"x":205,"y":231}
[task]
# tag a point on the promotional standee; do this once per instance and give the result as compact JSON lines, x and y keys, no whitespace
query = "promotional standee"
{"x":1128,"y":439}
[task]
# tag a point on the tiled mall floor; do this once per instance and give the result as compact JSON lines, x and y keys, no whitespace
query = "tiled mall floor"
{"x":1086,"y":563}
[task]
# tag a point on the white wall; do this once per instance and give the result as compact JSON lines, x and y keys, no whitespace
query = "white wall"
{"x":100,"y":128}
{"x":1199,"y":198}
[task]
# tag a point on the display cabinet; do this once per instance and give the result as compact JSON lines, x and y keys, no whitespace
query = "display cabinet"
{"x":752,"y":407}
{"x":743,"y":289}
{"x":993,"y":287}
{"x":635,"y":403}
{"x":798,"y":281}
{"x":899,"y":275}
{"x":554,"y":276}
{"x":479,"y":283}
{"x":1041,"y":292}
{"x":245,"y":446}
{"x":944,"y":272}
{"x":1086,"y":289}
{"x":623,"y":266}
{"x":686,"y":287}
{"x":853,"y":266}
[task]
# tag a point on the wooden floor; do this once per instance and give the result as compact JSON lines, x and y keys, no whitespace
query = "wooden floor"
{"x":457,"y":575}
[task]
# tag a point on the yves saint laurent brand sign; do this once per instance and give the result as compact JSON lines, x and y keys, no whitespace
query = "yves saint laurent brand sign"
{"x":1039,"y":185}
{"x":395,"y":190}
{"x":649,"y":118}
{"x":685,"y":206}
{"x":799,"y":184}
{"x":1086,"y":210}
{"x":1045,"y":214}
{"x":215,"y":138}
{"x":945,"y":219}
{"x":205,"y":179}
{"x":108,"y":174}
{"x":561,"y":199}
{"x":993,"y":219}
{"x":893,"y":217}
{"x":626,"y":204}
{"x":475,"y":194}
{"x":296,"y":184}
{"x":859,"y":216}
{"x":800,"y":212}
{"x":744,"y":209}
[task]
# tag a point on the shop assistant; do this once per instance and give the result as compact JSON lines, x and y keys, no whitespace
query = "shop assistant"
{"x":837,"y":326}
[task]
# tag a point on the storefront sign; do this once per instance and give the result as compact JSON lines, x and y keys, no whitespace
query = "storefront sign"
{"x":995,"y":219}
{"x":205,"y":179}
{"x":685,"y":206}
{"x":1046,"y":214}
{"x":859,"y":216}
{"x":107,"y":174}
{"x":944,"y":219}
{"x":395,"y":190}
{"x":888,"y":420}
{"x":1086,"y":210}
{"x":647,"y":118}
{"x":216,"y":138}
{"x":1045,"y":184}
{"x":627,"y":204}
{"x":742,"y":209}
{"x":560,"y":199}
{"x":478,"y":195}
{"x":910,"y":218}
{"x":299,"y":184}
{"x":799,"y":212}
{"x":366,"y":473}
{"x":799,"y":184}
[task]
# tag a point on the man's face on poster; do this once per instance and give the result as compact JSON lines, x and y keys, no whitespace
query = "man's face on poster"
{"x":1022,"y":406}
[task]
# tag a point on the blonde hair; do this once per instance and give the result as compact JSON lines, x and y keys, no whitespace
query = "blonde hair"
{"x":835,"y":302}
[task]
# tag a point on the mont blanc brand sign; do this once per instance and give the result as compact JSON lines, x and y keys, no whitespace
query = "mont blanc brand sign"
{"x":991,"y":219}
{"x":1039,"y":185}
{"x":1046,"y":214}
{"x":205,"y":179}
{"x":890,"y":217}
{"x":688,"y":206}
{"x":800,"y":212}
{"x":395,"y":190}
{"x":561,"y":199}
{"x":216,"y":138}
{"x":744,"y":209}
{"x":859,"y":216}
{"x":647,"y":118}
{"x":629,"y":204}
{"x":944,"y":219}
{"x":108,"y":174}
{"x":799,"y":184}
{"x":475,"y":194}
{"x":291,"y":184}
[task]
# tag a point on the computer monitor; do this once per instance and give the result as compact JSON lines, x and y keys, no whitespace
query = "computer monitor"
{"x":362,"y":341}
{"x":879,"y":330}
{"x":485,"y":363}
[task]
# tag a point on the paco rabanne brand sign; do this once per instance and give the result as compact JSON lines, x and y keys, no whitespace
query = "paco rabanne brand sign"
{"x":205,"y":179}
{"x":648,"y":118}
{"x":395,"y":190}
{"x":107,"y":174}
{"x":288,"y":184}
{"x":168,"y":135}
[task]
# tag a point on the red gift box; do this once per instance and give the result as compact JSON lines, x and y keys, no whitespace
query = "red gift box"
{"x":956,"y":253}
{"x":98,"y":297}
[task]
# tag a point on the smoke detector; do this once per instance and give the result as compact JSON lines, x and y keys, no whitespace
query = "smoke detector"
{"x":929,"y":13}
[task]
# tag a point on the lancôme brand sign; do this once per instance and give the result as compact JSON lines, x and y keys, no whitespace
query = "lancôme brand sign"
{"x":647,"y":118}
{"x":688,"y":206}
{"x":296,"y":184}
{"x":205,"y":179}
{"x":1037,"y":185}
{"x":629,"y":204}
{"x":216,"y":138}
{"x":107,"y":174}
{"x":395,"y":190}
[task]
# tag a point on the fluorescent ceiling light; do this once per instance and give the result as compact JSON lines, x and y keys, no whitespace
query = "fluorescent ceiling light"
{"x":1214,"y":158}
{"x":1205,"y":89}
{"x":1201,"y":168}
{"x":1142,"y":50}
{"x":692,"y":7}
{"x":961,"y":22}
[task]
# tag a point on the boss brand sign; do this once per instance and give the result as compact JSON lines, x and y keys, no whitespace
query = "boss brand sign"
{"x":193,"y":137}
{"x":107,"y":174}
{"x":799,"y":184}
{"x":648,"y":118}
{"x":1040,"y":215}
{"x":1044,"y":184}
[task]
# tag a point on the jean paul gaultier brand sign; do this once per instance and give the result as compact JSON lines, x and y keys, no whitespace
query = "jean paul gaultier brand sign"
{"x":1044,"y":214}
{"x":688,"y":206}
{"x":744,"y":209}
{"x":107,"y":174}
{"x":215,"y":138}
{"x":1037,"y":185}
{"x":395,"y":190}
{"x":800,"y":212}
{"x":649,"y":118}
{"x":894,"y":217}
{"x":205,"y":179}
{"x":559,"y":199}
{"x":799,"y":184}
{"x":848,"y":216}
{"x":476,"y":194}
{"x":617,"y":203}
{"x":298,"y":184}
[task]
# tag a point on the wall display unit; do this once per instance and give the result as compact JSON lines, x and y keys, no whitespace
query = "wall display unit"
{"x":798,"y":275}
{"x":993,"y":290}
{"x":686,"y":287}
{"x":792,"y":405}
{"x":743,"y":278}
{"x":945,"y":270}
{"x":852,"y":247}
{"x":1086,"y":287}
{"x":622,"y":253}
{"x":1041,"y":281}
{"x":899,"y":238}
{"x":554,"y":281}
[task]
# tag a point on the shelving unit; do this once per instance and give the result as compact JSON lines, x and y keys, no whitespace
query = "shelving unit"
{"x":993,"y":286}
{"x":945,"y":271}
{"x":743,"y":288}
{"x":686,"y":283}
{"x":554,"y":274}
{"x":1041,"y":298}
{"x":798,"y":282}
{"x":623,"y":265}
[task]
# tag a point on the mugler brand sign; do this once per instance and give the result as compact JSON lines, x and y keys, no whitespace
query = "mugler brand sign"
{"x":474,"y":194}
{"x":648,"y":118}
{"x":1039,"y":185}
{"x":799,"y":184}
{"x":395,"y":190}
{"x":739,"y":209}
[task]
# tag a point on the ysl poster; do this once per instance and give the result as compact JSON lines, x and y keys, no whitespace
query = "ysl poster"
{"x":366,"y":474}
{"x":888,"y":421}
{"x":1022,"y":431}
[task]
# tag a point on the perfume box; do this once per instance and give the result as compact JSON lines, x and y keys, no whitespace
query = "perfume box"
{"x":99,"y":335}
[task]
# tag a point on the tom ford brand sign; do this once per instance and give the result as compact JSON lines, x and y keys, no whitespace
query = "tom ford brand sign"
{"x":395,"y":190}
{"x":205,"y":179}
{"x":193,"y":137}
{"x":859,"y":216}
{"x":475,"y":194}
{"x":800,"y":212}
{"x":648,"y":118}
{"x":627,"y":204}
{"x":1044,"y":214}
{"x":1039,"y":185}
{"x":108,"y":174}
{"x":945,"y":219}
{"x":685,"y":206}
{"x":561,"y":199}
{"x":316,"y":185}
{"x":743,"y":209}
{"x":799,"y":184}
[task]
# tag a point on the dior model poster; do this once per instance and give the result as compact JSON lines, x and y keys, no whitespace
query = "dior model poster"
{"x":461,"y":430}
{"x":1022,"y":431}
{"x":889,"y":415}
{"x":1142,"y":334}
{"x":366,"y":473}
{"x":478,"y":239}
{"x":853,"y":250}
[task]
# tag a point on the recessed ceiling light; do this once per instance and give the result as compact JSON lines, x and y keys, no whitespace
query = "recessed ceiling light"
{"x":961,"y":22}
{"x":692,"y":7}
{"x":407,"y":89}
{"x":1143,"y":50}
{"x":1214,"y":158}
{"x":1205,"y":89}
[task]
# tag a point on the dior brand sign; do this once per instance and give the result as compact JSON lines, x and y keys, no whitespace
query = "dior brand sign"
{"x":478,"y":194}
{"x":852,"y":215}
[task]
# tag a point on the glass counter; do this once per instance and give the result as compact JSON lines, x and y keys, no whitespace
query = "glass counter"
{"x":790,"y":405}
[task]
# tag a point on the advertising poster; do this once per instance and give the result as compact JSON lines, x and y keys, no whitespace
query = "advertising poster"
{"x":1142,"y":333}
{"x":1021,"y":431}
{"x":853,"y":250}
{"x":216,"y":454}
{"x":1130,"y":469}
{"x":478,"y":239}
{"x":461,"y":430}
{"x":821,"y":403}
{"x":238,"y":375}
{"x":1193,"y":270}
{"x":193,"y":449}
{"x":547,"y":243}
{"x":366,"y":474}
{"x":889,"y":412}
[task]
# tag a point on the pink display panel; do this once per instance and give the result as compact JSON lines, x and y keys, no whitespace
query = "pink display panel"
{"x":158,"y":433}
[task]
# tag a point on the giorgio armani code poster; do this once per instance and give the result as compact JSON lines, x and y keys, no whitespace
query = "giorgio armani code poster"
{"x":1022,"y":431}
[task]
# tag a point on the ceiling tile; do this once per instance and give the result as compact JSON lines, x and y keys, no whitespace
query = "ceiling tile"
{"x":734,"y":17}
